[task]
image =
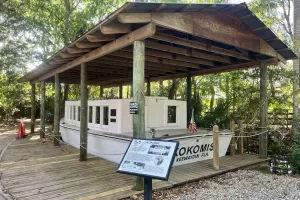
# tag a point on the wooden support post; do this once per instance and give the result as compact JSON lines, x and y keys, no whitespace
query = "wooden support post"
{"x":65,"y":98}
{"x":216,"y":147}
{"x":263,"y":142}
{"x":101,"y":91}
{"x":241,"y":139}
{"x":56,"y":111}
{"x":32,"y":124}
{"x":42,"y":110}
{"x":120,"y":92}
{"x":131,"y":91}
{"x":232,"y":142}
{"x":148,"y":93}
{"x":83,"y":113}
{"x":138,"y":96}
{"x":189,"y":96}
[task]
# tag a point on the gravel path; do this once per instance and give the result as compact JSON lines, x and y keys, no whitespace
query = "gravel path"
{"x":243,"y":184}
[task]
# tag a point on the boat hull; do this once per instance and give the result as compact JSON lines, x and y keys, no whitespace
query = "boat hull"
{"x":192,"y":148}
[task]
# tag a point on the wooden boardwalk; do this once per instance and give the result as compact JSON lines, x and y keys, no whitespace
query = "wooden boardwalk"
{"x":32,"y":169}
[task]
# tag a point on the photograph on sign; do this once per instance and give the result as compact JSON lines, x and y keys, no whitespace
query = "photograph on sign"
{"x":153,"y":158}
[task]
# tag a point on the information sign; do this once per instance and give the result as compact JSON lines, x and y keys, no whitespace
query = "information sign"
{"x":133,"y":107}
{"x":149,"y":158}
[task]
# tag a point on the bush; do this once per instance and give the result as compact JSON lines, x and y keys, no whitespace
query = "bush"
{"x":295,"y":154}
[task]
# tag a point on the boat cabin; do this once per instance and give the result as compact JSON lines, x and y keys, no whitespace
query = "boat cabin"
{"x":113,"y":115}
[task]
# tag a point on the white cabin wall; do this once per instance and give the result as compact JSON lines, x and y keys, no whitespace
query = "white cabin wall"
{"x":156,"y":114}
{"x":127,"y":118}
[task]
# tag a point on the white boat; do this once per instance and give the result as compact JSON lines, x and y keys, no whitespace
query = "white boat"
{"x":110,"y":129}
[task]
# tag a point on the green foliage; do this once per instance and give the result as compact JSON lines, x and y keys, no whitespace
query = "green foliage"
{"x":295,"y":154}
{"x":218,"y":117}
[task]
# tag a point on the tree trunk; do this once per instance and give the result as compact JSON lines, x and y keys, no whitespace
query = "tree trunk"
{"x":42,"y":111}
{"x":296,"y":66}
{"x":161,"y":88}
{"x":32,"y":108}
{"x":212,"y":99}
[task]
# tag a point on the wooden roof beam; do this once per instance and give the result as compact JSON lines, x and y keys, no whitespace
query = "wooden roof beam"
{"x":88,"y":45}
{"x":125,"y":65}
{"x":100,"y":38}
{"x":115,"y":28}
{"x":124,"y":41}
{"x":272,"y":61}
{"x":128,"y":63}
{"x":185,"y":57}
{"x":199,"y":24}
{"x":74,"y":50}
{"x":159,"y":60}
{"x":69,"y":55}
{"x":201,"y":46}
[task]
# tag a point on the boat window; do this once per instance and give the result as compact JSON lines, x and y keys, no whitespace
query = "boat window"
{"x":74,"y":112}
{"x":113,"y":120}
{"x":97,"y":114}
{"x":113,"y":112}
{"x":90,"y":114}
{"x":171,"y":114}
{"x":105,"y":115}
{"x":78,"y":118}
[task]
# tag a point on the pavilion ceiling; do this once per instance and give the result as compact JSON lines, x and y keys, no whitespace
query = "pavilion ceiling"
{"x":171,"y":50}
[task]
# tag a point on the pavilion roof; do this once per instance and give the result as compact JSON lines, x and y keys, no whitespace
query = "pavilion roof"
{"x":179,"y":38}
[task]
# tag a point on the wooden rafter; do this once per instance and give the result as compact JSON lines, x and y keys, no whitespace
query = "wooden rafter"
{"x":139,"y":34}
{"x":115,"y":28}
{"x":199,"y":24}
{"x":70,"y":55}
{"x":77,"y":51}
{"x":100,"y":38}
{"x":88,"y":45}
{"x":173,"y":56}
{"x":199,"y":45}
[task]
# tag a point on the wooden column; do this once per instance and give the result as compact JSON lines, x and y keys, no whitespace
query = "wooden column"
{"x":232,"y":143}
{"x":42,"y":110}
{"x":32,"y":123}
{"x":138,"y":96}
{"x":120,"y":92}
{"x":188,"y":96}
{"x":83,"y":113}
{"x":241,"y":139}
{"x":101,"y":91}
{"x":148,"y":92}
{"x":56,"y":111}
{"x":216,"y":147}
{"x":263,"y":142}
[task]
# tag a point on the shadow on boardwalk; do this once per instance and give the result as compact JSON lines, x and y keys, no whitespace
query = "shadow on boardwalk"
{"x":34,"y":169}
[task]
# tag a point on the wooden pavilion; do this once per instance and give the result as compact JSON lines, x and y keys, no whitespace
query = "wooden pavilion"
{"x":159,"y":41}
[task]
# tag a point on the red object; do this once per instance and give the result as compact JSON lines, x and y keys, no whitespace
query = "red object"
{"x":192,"y":125}
{"x":21,"y":132}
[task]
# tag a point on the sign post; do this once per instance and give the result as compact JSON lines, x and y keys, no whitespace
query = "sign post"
{"x":150,"y":159}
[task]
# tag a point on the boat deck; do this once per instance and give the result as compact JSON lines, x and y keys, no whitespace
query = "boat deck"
{"x":34,"y":169}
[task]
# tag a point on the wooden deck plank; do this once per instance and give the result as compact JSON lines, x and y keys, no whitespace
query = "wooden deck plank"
{"x":32,"y":170}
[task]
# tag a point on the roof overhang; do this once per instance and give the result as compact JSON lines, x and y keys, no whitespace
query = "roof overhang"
{"x":199,"y":38}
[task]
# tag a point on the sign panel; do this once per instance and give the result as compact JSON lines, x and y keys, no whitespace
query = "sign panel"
{"x":151,"y":158}
{"x":198,"y":148}
{"x":133,"y":107}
